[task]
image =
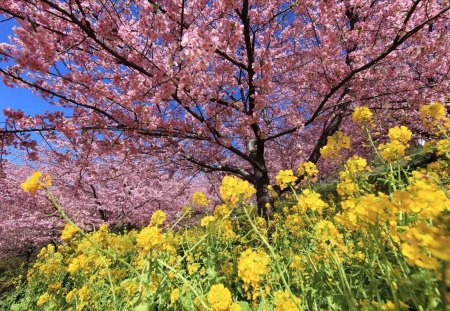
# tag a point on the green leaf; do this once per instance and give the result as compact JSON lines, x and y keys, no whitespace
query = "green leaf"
{"x":141,"y":307}
{"x":244,"y":306}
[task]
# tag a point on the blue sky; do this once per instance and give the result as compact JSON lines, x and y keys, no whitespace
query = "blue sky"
{"x":17,"y":98}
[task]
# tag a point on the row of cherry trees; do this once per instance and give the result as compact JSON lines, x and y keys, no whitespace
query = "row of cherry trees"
{"x":222,"y":87}
{"x":120,"y":191}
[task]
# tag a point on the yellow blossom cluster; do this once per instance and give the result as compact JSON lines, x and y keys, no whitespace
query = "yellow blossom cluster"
{"x":200,"y":198}
{"x":284,"y":301}
{"x":310,"y":200}
{"x":36,"y":182}
{"x":252,"y":267}
{"x":424,"y":196}
{"x":219,"y":298}
{"x":285,"y":178}
{"x":308,"y":170}
{"x":174,"y":296}
{"x":68,"y":232}
{"x":424,"y":245}
{"x":335,"y":144}
{"x":434,"y":115}
{"x":234,"y":189}
{"x":354,"y":167}
{"x":396,"y":148}
{"x":362,"y":115}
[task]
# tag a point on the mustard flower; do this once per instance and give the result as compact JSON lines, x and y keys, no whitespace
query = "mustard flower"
{"x":34,"y":183}
{"x":71,"y":295}
{"x":433,"y":114}
{"x":207,"y":220}
{"x":392,"y":151}
{"x":149,"y":238}
{"x":219,"y":298}
{"x":174,"y":296}
{"x":400,"y":133}
{"x":443,"y":146}
{"x":362,"y":115}
{"x":356,"y":164}
{"x":221,"y":210}
{"x":234,"y":189}
{"x":158,"y":218}
{"x":335,"y":144}
{"x":283,"y":301}
{"x":252,"y":266}
{"x":308,"y":169}
{"x":68,"y":232}
{"x":310,"y":200}
{"x":199,"y":198}
{"x":43,"y":299}
{"x":285,"y":178}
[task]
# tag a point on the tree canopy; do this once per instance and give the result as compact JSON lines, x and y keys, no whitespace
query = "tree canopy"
{"x":229,"y":87}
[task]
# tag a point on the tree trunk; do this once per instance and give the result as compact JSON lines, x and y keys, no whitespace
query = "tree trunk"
{"x":264,"y":198}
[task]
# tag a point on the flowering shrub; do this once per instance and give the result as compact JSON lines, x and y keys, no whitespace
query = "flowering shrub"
{"x":365,"y":250}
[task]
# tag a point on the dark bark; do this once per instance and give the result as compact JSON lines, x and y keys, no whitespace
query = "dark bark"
{"x":264,"y":198}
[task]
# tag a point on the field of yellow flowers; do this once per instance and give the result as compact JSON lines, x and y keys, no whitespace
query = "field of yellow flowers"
{"x":362,"y":250}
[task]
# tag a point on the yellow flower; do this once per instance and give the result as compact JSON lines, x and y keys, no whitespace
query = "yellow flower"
{"x":174,"y":296}
{"x":356,"y":164}
{"x":310,"y":200}
{"x":400,"y":133}
{"x":200,"y":198}
{"x":34,"y":183}
{"x":294,"y":224}
{"x":327,"y":232}
{"x":70,"y":295}
{"x":308,"y":169}
{"x":227,"y":230}
{"x":68,"y":232}
{"x":84,"y":293}
{"x":148,"y":238}
{"x":423,"y":197}
{"x":424,"y":245}
{"x":158,"y":218}
{"x":335,"y":144}
{"x":192,"y":268}
{"x":392,"y":151}
{"x":296,"y":262}
{"x":56,"y":285}
{"x":443,"y":146}
{"x":285,"y":178}
{"x":43,"y":299}
{"x":284,"y":301}
{"x":207,"y":220}
{"x":252,"y":266}
{"x":221,"y":210}
{"x":234,"y":189}
{"x":219,"y":298}
{"x":346,"y":188}
{"x":433,"y":114}
{"x":362,"y":115}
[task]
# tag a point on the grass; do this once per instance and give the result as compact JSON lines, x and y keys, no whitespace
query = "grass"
{"x":11,"y":269}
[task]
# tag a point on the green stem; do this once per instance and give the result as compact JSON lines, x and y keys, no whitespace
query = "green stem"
{"x":272,"y":253}
{"x":185,"y":281}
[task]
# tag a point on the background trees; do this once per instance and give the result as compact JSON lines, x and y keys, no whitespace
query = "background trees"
{"x":235,"y":87}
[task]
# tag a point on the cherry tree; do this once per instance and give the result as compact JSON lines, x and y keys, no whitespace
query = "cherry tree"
{"x":231,"y":87}
{"x":27,"y":221}
{"x":123,"y":192}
